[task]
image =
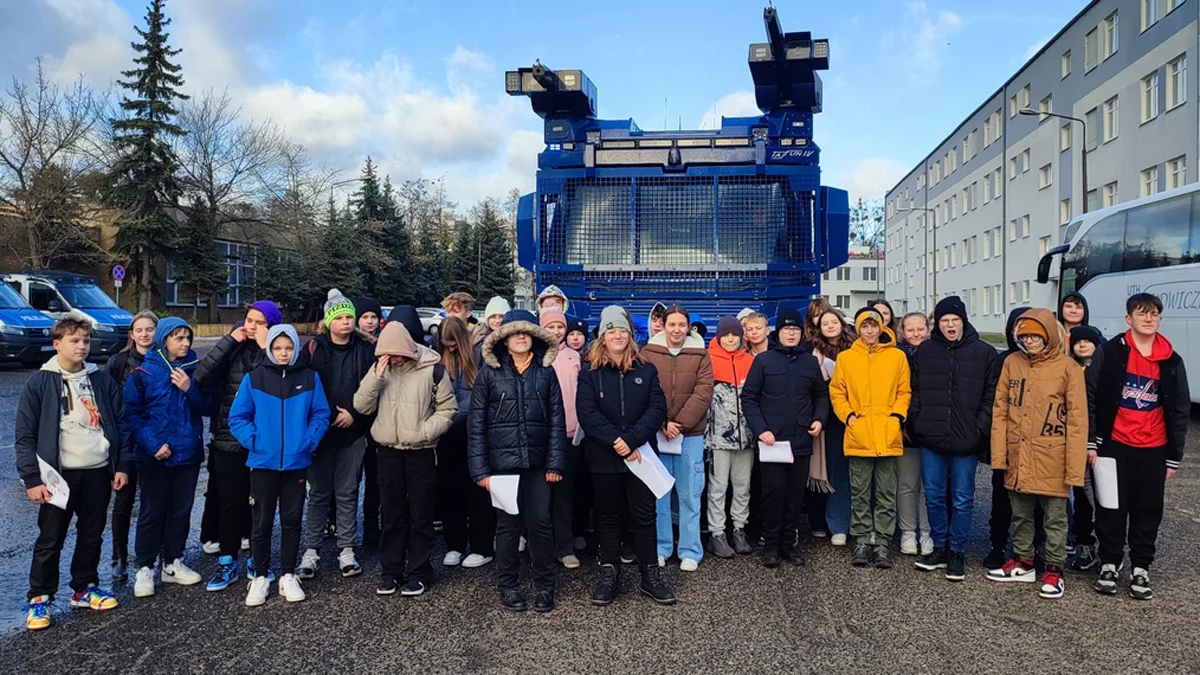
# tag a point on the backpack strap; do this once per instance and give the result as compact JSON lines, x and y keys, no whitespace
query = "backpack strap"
{"x":439,"y":371}
{"x":138,"y":381}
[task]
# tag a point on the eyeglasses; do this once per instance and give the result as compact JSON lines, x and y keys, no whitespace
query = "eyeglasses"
{"x":1030,"y":337}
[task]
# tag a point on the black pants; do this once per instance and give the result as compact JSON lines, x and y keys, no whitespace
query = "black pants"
{"x":582,"y":498}
{"x":814,"y":506}
{"x":370,"y":503}
{"x":269,"y":489}
{"x":783,"y":488}
{"x":1083,"y":519}
{"x":233,"y":486}
{"x":624,"y":501}
{"x":754,"y":525}
{"x":165,"y":513}
{"x":88,"y":504}
{"x":210,"y":520}
{"x":563,"y":494}
{"x":534,"y":521}
{"x":122,"y":515}
{"x":1141,"y":480}
{"x":408,"y":495}
{"x":466,"y":510}
{"x":1000,"y":521}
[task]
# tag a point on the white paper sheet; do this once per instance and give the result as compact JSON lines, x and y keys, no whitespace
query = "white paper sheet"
{"x":578,"y":436}
{"x":504,"y":493}
{"x":669,"y":446}
{"x":652,"y":472}
{"x":60,"y":492}
{"x":1104,"y":482}
{"x":780,"y":453}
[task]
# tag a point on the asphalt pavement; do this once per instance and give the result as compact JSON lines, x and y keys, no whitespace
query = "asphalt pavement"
{"x":732,"y":616}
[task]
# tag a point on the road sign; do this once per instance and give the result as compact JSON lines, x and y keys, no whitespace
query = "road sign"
{"x":118,"y":273}
{"x":117,"y":283}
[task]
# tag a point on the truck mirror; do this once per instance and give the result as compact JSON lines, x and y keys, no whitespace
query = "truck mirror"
{"x":54,"y":306}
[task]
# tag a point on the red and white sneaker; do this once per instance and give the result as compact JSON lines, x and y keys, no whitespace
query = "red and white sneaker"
{"x":1052,"y":583}
{"x":1014,"y":570}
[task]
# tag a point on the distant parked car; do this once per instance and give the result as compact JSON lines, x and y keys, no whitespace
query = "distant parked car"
{"x":431,"y":318}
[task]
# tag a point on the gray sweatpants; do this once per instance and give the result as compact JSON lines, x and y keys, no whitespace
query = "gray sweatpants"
{"x":333,"y":483}
{"x":729,"y":467}
{"x":910,"y":495}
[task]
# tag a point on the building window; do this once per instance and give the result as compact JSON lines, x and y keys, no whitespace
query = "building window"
{"x":1043,"y":245}
{"x":1149,"y":97}
{"x":1025,"y":96}
{"x":1149,"y":182}
{"x":239,"y":262}
{"x":825,"y":276}
{"x":870,"y":273}
{"x":1093,"y":200}
{"x":1012,"y":292}
{"x":1012,"y":229}
{"x":1151,"y":12}
{"x":1112,"y":112}
{"x":1012,"y":168}
{"x":997,"y":128}
{"x":1064,"y":211}
{"x":1025,"y":225}
{"x":1065,"y":65}
{"x":1012,"y":106}
{"x":1091,"y":49}
{"x":1025,"y":291}
{"x":1176,"y":82}
{"x":1110,"y":194}
{"x":842,"y":301}
{"x":987,"y":245}
{"x":1045,"y":176}
{"x":843,"y":274}
{"x":999,"y":184}
{"x":1091,"y":123}
{"x":1025,"y":160}
{"x":1064,"y":138}
{"x":1045,"y":106}
{"x":973,"y":248}
{"x":1110,"y":33}
{"x":1176,"y":172}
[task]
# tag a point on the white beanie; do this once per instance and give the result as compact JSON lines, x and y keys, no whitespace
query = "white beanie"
{"x":497,"y":305}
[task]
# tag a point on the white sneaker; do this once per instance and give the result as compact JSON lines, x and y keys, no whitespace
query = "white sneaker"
{"x":308,"y":564}
{"x":521,"y":545}
{"x":688,"y":565}
{"x":475,"y":560}
{"x":259,"y":589}
{"x":289,"y":588}
{"x":838,"y":539}
{"x":662,"y":562}
{"x":908,"y":543}
{"x":926,"y":545}
{"x":348,"y":563}
{"x":211,"y":547}
{"x":245,"y":544}
{"x":143,"y":584}
{"x":178,"y":573}
{"x":570,"y":561}
{"x":452,"y":559}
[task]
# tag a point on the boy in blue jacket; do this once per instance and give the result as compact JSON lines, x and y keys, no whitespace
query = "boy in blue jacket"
{"x":164,"y":419}
{"x":280,"y":414}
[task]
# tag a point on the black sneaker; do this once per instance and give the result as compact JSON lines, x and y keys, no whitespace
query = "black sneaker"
{"x":544,"y":601}
{"x":995,"y":559}
{"x":1139,"y":584}
{"x":956,"y":564}
{"x":412,"y":588}
{"x":820,"y":533}
{"x":628,"y":557}
{"x":512,"y":599}
{"x":387,"y":585}
{"x":607,"y":587}
{"x":934,"y":561}
{"x":371,"y":538}
{"x":330,"y":530}
{"x":654,"y":586}
{"x":770,"y":559}
{"x":883,"y":557}
{"x":720,"y":547}
{"x":120,"y":569}
{"x":741,"y":543}
{"x":792,"y":554}
{"x":1085,"y":558}
{"x":1107,"y":583}
{"x":861,"y":556}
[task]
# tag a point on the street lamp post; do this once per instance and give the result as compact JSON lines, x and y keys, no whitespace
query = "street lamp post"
{"x":928,"y":218}
{"x":1029,"y":112}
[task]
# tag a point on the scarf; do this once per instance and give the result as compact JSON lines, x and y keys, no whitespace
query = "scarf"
{"x":818,"y":473}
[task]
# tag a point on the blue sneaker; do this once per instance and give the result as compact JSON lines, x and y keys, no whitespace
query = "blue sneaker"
{"x":226,"y":574}
{"x":250,"y":571}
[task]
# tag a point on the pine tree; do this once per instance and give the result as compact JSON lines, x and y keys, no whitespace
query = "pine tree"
{"x":200,"y":272}
{"x":495,"y":254}
{"x":144,"y":182}
{"x":429,"y":262}
{"x":396,"y":276}
{"x":340,"y":262}
{"x":464,"y":261}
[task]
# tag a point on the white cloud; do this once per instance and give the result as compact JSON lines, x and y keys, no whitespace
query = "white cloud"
{"x":318,"y":120}
{"x":871,"y":178}
{"x":737,"y":104}
{"x":99,"y":60}
{"x":921,"y":40}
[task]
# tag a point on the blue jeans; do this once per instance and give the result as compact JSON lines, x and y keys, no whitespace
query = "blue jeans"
{"x":953,"y":475}
{"x":688,"y":470}
{"x":837,"y":465}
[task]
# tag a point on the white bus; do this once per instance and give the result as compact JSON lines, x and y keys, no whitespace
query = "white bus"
{"x":1148,"y":245}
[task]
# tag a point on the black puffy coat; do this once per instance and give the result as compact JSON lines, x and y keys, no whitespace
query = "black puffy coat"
{"x":785,"y":393}
{"x":222,"y":370}
{"x":342,"y":368}
{"x":123,"y":363}
{"x":612,"y":404}
{"x":953,"y":386}
{"x":516,"y":420}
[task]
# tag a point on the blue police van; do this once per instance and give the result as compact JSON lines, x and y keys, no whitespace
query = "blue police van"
{"x":54,"y":294}
{"x":24,"y":331}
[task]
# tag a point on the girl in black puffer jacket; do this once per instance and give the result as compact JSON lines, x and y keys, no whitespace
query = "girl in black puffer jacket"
{"x":516,"y":427}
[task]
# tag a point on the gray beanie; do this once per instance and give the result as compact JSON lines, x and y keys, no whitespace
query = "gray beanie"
{"x":614,"y":317}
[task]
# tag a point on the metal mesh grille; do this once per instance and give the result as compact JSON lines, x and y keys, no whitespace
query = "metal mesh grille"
{"x":676,"y":222}
{"x":676,"y":284}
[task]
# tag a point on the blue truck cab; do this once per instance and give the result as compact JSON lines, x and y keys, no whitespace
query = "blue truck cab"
{"x":24,"y":331}
{"x":57,"y":293}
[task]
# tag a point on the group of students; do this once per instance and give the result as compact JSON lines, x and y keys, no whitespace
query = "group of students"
{"x":859,"y":428}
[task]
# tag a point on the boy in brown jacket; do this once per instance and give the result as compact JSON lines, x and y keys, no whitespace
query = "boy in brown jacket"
{"x":1039,"y":437}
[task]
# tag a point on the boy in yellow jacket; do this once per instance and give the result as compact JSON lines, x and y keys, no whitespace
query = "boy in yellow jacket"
{"x":870,"y":392}
{"x":1039,"y":437}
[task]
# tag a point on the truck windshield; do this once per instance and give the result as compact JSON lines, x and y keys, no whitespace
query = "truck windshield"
{"x":10,"y":299}
{"x":86,"y":297}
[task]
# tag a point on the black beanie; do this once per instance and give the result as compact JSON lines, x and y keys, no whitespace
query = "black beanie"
{"x":729,"y":325}
{"x":950,"y":305}
{"x":576,"y":324}
{"x":789,"y":317}
{"x":364,"y":305}
{"x":1089,"y":333}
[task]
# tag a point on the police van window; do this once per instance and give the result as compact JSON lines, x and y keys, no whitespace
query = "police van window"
{"x":1156,"y":235}
{"x":1193,"y":252}
{"x":1100,"y":250}
{"x":40,"y":296}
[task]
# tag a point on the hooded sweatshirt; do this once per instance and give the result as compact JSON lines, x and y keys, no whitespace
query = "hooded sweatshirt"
{"x":872,"y":382}
{"x":552,"y":291}
{"x":280,"y":412}
{"x":686,"y":376}
{"x":1076,"y":297}
{"x":81,"y":440}
{"x":1040,"y":417}
{"x":727,"y":427}
{"x":411,"y":410}
{"x":566,"y":366}
{"x":1140,"y":421}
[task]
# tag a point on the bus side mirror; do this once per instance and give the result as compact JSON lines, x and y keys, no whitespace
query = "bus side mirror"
{"x":1043,"y":271}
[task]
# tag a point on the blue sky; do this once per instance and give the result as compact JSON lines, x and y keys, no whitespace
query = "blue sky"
{"x":419,"y":85}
